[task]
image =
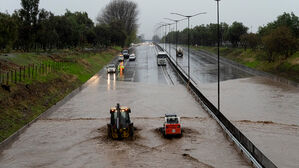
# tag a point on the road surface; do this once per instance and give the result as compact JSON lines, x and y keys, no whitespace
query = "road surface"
{"x":266,"y":111}
{"x":75,"y":134}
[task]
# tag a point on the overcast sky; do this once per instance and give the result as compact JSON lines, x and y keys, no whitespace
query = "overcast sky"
{"x":253,"y":13}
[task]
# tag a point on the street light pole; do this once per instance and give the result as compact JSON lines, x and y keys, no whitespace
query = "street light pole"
{"x":176,"y":41}
{"x":165,"y":36}
{"x":188,"y":48}
{"x":188,"y":17}
{"x":218,"y":53}
{"x":169,"y":39}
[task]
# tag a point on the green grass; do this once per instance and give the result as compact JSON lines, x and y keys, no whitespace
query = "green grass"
{"x":252,"y":64}
{"x":30,"y":98}
{"x":118,"y":48}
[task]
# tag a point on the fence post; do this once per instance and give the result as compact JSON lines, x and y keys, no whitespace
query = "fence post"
{"x":0,"y":73}
{"x":24,"y":77}
{"x":11,"y":76}
{"x":32,"y":71}
{"x":7,"y":77}
{"x":29,"y":71}
{"x":15,"y":76}
{"x":36,"y":71}
{"x":20,"y":74}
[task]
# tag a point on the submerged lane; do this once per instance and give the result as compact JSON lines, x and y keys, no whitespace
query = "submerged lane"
{"x":75,"y":134}
{"x":266,"y":111}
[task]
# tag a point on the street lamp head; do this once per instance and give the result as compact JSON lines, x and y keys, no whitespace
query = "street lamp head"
{"x":178,"y":14}
{"x":175,"y":20}
{"x":188,"y":16}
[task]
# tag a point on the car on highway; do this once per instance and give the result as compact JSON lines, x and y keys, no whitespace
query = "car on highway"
{"x":111,"y":68}
{"x":126,"y":54}
{"x":132,"y":57}
{"x":179,"y":52}
{"x":121,"y":58}
{"x":161,"y":58}
{"x":172,"y":125}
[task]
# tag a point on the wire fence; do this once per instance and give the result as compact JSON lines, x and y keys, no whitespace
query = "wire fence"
{"x":28,"y":73}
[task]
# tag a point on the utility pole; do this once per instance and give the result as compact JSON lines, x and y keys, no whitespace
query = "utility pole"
{"x":218,"y":53}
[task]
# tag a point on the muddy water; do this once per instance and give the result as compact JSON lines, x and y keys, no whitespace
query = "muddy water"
{"x":265,"y":111}
{"x":75,"y":134}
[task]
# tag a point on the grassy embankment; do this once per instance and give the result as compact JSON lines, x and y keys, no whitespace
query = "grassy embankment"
{"x":287,"y":68}
{"x":28,"y":99}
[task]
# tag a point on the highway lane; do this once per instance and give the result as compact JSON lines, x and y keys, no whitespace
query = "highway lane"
{"x":75,"y":134}
{"x":204,"y":69}
{"x":265,"y":110}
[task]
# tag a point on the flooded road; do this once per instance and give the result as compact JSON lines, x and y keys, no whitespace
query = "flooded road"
{"x":75,"y":134}
{"x":266,"y":111}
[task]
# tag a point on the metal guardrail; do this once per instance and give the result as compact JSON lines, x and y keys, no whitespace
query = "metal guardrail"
{"x":257,"y":158}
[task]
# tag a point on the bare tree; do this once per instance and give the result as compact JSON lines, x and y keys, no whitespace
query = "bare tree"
{"x":123,"y":12}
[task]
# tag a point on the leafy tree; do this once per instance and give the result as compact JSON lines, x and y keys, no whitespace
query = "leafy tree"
{"x":235,"y":31}
{"x":82,"y":26}
{"x":102,"y":35}
{"x":288,"y":20}
{"x":28,"y":16}
{"x":280,"y":41}
{"x":250,"y":40}
{"x":46,"y":34}
{"x":8,"y":31}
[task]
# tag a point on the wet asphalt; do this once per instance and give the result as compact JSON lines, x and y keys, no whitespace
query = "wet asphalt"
{"x":266,"y":111}
{"x":75,"y":134}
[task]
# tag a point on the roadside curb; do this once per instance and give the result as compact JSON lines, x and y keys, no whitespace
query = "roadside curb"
{"x":8,"y":141}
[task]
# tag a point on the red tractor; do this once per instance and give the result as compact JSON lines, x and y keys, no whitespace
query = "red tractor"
{"x":172,"y":126}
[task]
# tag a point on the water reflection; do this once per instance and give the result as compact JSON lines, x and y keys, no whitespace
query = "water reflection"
{"x":111,"y":77}
{"x":94,"y":81}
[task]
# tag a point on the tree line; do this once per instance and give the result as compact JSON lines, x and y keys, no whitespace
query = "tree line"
{"x":280,"y":37}
{"x":31,"y":28}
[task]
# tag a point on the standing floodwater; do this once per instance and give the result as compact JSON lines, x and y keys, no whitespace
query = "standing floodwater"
{"x":75,"y":135}
{"x":266,"y":111}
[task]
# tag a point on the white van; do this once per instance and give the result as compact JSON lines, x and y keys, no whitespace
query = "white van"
{"x":161,"y":58}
